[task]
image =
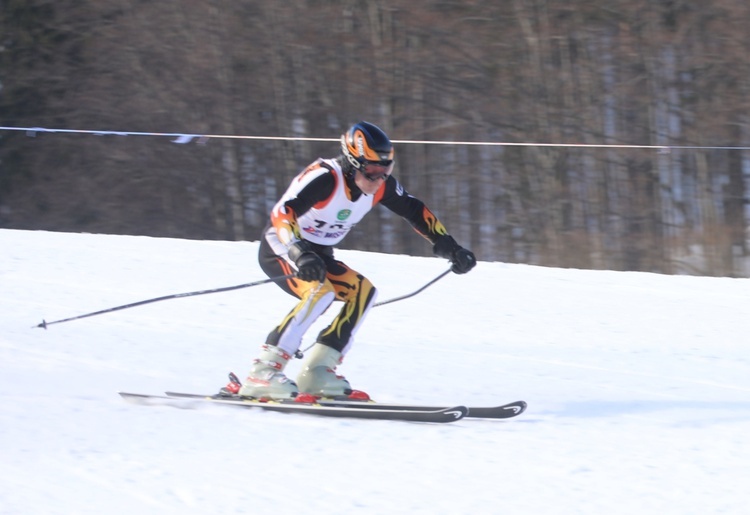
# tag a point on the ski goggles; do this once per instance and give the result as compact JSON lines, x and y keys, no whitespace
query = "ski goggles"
{"x":375,"y":171}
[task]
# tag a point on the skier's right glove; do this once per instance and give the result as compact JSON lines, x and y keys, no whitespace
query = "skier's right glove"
{"x":310,"y":266}
{"x":463,"y":259}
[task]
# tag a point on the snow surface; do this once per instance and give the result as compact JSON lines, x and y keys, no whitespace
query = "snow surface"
{"x":638,"y":388}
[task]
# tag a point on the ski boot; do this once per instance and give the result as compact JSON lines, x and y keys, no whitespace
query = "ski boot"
{"x":319,"y":378}
{"x":266,"y":380}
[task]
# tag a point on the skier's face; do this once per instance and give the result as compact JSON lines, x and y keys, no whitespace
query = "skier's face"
{"x":371,"y":176}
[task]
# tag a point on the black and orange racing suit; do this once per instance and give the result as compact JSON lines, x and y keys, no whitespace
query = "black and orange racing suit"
{"x":321,"y":205}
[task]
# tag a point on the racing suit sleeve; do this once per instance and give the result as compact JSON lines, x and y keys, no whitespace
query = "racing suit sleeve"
{"x":284,"y":216}
{"x":397,"y":199}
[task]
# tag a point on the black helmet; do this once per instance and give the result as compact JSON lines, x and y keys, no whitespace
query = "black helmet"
{"x":367,"y":148}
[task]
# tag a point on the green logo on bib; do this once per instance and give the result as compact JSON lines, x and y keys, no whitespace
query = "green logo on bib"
{"x":344,"y":214}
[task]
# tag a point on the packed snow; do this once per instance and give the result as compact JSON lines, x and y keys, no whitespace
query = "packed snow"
{"x":638,"y":388}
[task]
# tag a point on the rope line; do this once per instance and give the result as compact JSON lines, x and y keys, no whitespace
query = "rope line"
{"x":184,"y":138}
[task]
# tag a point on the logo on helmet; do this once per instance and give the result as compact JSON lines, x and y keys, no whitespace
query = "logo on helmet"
{"x":360,"y":144}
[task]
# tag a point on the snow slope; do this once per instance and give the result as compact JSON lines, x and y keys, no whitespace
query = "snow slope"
{"x":638,"y":388}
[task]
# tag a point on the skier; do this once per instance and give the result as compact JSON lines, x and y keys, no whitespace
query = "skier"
{"x":321,"y":205}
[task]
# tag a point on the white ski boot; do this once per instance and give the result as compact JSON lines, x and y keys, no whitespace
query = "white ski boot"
{"x":319,"y":378}
{"x":266,"y":379}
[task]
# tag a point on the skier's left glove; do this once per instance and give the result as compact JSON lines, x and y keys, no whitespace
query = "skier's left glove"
{"x":462,"y":259}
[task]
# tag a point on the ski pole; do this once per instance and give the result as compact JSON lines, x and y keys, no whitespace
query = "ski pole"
{"x":44,"y":323}
{"x":402,"y":297}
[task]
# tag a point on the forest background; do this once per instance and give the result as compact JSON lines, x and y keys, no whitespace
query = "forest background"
{"x":668,"y":79}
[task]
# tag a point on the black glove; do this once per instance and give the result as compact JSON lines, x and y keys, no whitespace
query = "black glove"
{"x":310,"y":266}
{"x":463,"y":260}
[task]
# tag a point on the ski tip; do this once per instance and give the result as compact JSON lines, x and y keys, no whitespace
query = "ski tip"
{"x":517,"y":407}
{"x":134,"y":398}
{"x":130,"y":395}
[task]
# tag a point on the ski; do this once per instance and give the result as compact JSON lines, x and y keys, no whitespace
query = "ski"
{"x":509,"y":410}
{"x":441,"y":415}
